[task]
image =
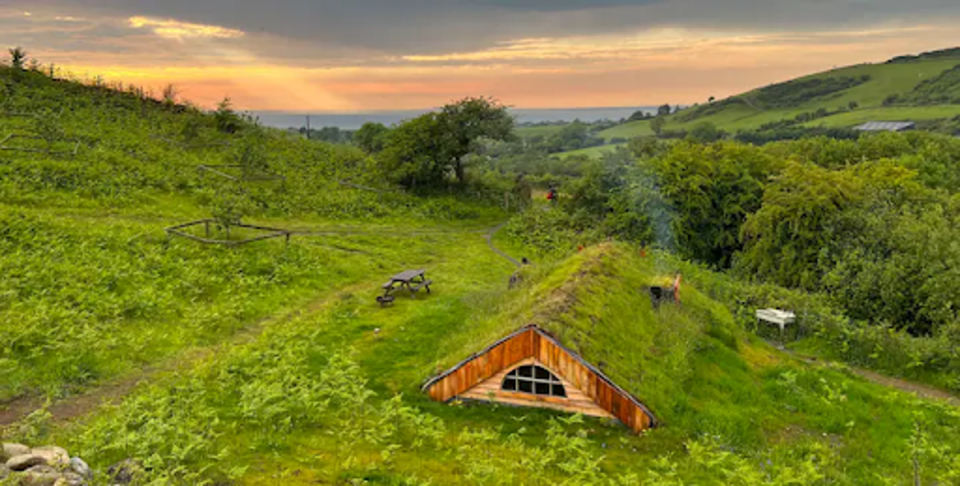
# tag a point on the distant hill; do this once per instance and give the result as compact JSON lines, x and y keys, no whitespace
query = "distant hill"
{"x":923,"y":88}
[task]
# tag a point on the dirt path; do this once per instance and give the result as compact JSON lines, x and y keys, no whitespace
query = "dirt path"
{"x":489,"y":237}
{"x":82,"y":404}
{"x":919,"y":389}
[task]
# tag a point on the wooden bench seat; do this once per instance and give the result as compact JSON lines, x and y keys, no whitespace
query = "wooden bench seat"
{"x":385,"y":300}
{"x":387,"y":286}
{"x":425,"y":283}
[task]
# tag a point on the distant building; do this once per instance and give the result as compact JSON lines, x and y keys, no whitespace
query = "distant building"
{"x":886,"y":127}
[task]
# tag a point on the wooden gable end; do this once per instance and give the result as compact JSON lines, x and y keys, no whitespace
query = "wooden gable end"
{"x":531,"y":344}
{"x":479,"y":368}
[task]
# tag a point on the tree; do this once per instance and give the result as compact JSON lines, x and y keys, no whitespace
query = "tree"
{"x":413,"y":152}
{"x":712,"y":99}
{"x":638,"y":115}
{"x":657,"y":125}
{"x":712,"y":190}
{"x":853,"y":105}
{"x":663,"y":110}
{"x":783,"y":240}
{"x":705,"y":132}
{"x":423,"y":150}
{"x":18,"y":58}
{"x":466,"y":122}
{"x":227,"y":120}
{"x":371,"y":137}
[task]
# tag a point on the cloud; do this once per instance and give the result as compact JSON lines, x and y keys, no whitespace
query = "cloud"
{"x":174,"y":29}
{"x":427,"y":27}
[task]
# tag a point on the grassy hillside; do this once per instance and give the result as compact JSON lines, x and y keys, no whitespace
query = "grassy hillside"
{"x":591,"y":151}
{"x":93,"y":285}
{"x":310,"y":400}
{"x":640,"y":128}
{"x":538,"y":131}
{"x":927,"y":87}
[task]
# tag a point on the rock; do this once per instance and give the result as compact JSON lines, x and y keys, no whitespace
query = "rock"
{"x":25,"y":461}
{"x":124,"y":472}
{"x":70,"y":479}
{"x":53,"y":456}
{"x":12,"y":450}
{"x":40,"y":476}
{"x":80,"y":467}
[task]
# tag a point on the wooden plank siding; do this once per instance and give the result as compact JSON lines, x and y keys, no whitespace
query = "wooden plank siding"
{"x":576,"y":401}
{"x":479,"y":378}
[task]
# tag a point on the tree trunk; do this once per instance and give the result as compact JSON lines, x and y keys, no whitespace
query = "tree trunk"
{"x":461,"y":174}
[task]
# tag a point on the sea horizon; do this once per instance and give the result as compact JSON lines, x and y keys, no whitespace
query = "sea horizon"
{"x":353,"y":121}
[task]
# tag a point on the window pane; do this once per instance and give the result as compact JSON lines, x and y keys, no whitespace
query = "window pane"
{"x":542,"y":374}
{"x":526,"y":371}
{"x":558,"y":391}
{"x":510,"y":384}
{"x":543,"y":389}
{"x":525,"y":386}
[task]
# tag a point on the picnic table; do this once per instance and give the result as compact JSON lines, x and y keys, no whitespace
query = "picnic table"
{"x":412,"y":280}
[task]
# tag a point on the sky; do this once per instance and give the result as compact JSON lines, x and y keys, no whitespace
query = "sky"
{"x":376,"y":55}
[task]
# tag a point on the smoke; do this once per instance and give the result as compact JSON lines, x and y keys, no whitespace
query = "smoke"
{"x":647,"y":199}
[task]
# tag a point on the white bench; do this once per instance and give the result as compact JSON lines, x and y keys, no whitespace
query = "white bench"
{"x":776,"y":316}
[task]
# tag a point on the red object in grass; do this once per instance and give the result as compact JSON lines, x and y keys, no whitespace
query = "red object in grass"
{"x":580,"y":248}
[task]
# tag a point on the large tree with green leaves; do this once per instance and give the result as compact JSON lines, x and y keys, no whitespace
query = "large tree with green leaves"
{"x":783,"y":240}
{"x":712,"y":189}
{"x":466,"y":123}
{"x":423,"y":150}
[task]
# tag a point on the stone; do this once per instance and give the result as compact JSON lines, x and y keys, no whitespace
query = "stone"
{"x":41,"y":475}
{"x":124,"y":472}
{"x":70,"y":479}
{"x":25,"y":461}
{"x":80,"y":467}
{"x":53,"y":456}
{"x":12,"y":450}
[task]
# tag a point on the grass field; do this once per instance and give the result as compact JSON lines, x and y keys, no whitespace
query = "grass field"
{"x":912,"y":113}
{"x":885,"y":79}
{"x":591,"y":151}
{"x":639,"y":128}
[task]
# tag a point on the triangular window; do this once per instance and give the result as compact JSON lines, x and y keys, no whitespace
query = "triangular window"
{"x":534,"y":380}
